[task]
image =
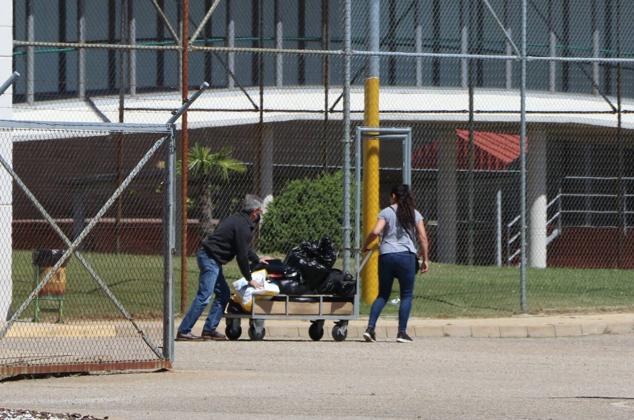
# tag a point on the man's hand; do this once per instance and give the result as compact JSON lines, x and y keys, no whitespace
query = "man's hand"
{"x":255,"y":284}
{"x":424,"y":266}
{"x":265,"y":260}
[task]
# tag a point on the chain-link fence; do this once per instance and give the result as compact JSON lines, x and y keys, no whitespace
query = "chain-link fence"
{"x":88,"y":239}
{"x":287,"y":91}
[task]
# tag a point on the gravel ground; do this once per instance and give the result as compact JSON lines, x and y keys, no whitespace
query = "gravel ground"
{"x":15,"y":414}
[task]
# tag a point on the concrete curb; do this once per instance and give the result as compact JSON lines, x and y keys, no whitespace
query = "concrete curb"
{"x":513,"y":327}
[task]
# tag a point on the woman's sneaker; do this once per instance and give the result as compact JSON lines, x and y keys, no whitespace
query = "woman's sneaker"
{"x":369,"y":335}
{"x":402,"y":337}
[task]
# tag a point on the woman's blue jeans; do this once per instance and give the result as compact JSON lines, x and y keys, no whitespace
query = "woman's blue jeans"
{"x":211,"y":280}
{"x":401,"y":265}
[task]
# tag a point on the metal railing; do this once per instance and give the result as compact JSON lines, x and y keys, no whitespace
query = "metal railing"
{"x":512,"y":237}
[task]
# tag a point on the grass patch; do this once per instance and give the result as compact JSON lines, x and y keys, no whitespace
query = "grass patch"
{"x":447,"y":291}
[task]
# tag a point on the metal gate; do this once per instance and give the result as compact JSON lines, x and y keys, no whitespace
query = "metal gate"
{"x":88,"y":237}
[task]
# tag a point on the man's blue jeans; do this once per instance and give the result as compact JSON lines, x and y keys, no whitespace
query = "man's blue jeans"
{"x":401,"y":265}
{"x":211,"y":280}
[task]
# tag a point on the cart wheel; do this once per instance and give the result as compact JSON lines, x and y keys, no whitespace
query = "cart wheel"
{"x":256,"y":330}
{"x":316,"y":331}
{"x":340,"y":332}
{"x":233,"y":333}
{"x":257,"y":334}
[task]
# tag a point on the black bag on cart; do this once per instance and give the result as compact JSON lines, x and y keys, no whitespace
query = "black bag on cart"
{"x":313,"y":260}
{"x":338,"y":283}
{"x":287,"y":278}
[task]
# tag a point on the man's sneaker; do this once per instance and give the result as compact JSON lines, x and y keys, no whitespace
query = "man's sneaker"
{"x":369,"y":335}
{"x":186,"y":337}
{"x":213,"y":335}
{"x":402,"y":337}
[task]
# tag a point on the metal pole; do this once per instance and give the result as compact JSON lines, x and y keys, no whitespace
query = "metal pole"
{"x":347,"y":47}
{"x":169,"y":221}
{"x":419,"y":44}
{"x":371,"y":146}
{"x":279,"y":44}
{"x":184,"y":156}
{"x":7,"y":83}
{"x":81,"y":52}
{"x":523,"y":300}
{"x":498,"y":230}
{"x":325,"y":45}
{"x":596,"y":50}
{"x":132,"y":52}
{"x":470,"y":196}
{"x":122,"y":86}
{"x":509,"y":63}
{"x":30,"y":54}
{"x":621,"y":197}
{"x":231,"y":43}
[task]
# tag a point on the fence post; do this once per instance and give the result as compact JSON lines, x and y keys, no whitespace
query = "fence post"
{"x":498,"y":230}
{"x":30,"y":54}
{"x":169,"y":221}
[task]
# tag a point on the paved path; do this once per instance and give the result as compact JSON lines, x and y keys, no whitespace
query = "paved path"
{"x":585,"y":377}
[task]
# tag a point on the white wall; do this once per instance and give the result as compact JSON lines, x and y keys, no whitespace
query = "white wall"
{"x":6,"y":59}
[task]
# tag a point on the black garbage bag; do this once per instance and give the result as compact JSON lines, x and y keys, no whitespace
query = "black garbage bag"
{"x":287,"y":278}
{"x":313,"y":260}
{"x":338,"y":283}
{"x":290,"y":287}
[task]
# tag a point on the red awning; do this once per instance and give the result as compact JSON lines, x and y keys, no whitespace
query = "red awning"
{"x":492,"y":151}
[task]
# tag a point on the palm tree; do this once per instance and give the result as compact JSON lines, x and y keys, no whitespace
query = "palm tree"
{"x":207,"y":171}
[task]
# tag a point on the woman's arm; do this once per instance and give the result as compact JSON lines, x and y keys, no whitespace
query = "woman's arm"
{"x":376,"y":231}
{"x":424,"y":246}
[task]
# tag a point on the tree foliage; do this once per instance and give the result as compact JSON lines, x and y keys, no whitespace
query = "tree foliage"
{"x":306,"y":209}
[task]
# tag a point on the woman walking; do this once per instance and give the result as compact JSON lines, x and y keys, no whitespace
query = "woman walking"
{"x":398,"y":225}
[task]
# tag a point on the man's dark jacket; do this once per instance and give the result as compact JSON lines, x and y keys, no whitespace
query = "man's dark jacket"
{"x":232,"y":238}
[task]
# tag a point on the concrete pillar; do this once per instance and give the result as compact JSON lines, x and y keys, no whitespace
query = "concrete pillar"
{"x":266,"y":178}
{"x":446,"y":200}
{"x":536,"y":167}
{"x":6,"y":150}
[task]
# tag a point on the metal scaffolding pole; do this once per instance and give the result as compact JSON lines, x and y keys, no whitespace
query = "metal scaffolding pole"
{"x":347,"y":58}
{"x":523,"y":300}
{"x":184,"y":155}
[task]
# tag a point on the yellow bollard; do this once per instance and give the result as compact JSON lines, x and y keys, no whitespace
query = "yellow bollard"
{"x":371,"y":147}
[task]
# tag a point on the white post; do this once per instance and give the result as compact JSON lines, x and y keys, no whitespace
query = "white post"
{"x":6,"y":150}
{"x":536,"y":197}
{"x":447,"y":204}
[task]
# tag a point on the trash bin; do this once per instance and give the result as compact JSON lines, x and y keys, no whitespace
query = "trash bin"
{"x":43,"y":261}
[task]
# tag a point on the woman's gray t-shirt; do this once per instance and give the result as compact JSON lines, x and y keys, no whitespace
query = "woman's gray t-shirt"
{"x":394,"y":237}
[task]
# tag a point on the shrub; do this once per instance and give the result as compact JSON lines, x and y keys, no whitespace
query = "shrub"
{"x":305,"y":209}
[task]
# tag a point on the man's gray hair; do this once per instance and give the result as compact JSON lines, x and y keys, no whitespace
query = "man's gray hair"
{"x":252,"y":202}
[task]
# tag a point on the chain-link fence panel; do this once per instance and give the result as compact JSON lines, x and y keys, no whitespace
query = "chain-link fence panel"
{"x":450,"y":71}
{"x":85,"y":247}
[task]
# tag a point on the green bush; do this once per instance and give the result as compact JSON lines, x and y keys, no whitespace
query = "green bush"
{"x":306,"y":209}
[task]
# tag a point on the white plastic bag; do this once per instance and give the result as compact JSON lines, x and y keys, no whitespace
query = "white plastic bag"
{"x":244,"y":293}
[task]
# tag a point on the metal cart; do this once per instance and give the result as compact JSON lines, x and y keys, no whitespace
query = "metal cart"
{"x":314,"y":308}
